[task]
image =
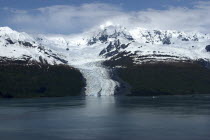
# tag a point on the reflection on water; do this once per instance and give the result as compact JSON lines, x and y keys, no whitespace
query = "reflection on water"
{"x":105,"y":118}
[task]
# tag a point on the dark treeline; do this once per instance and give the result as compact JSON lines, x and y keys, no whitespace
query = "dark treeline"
{"x":38,"y":80}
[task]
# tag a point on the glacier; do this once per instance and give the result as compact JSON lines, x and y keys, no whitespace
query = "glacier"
{"x":87,"y":51}
{"x":85,"y":58}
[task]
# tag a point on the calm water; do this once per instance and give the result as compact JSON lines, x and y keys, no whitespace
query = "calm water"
{"x":106,"y":118}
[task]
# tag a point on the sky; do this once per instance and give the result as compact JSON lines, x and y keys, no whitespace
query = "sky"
{"x":75,"y":16}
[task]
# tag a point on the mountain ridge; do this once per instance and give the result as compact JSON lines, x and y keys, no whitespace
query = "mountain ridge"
{"x":113,"y":44}
{"x":114,"y":40}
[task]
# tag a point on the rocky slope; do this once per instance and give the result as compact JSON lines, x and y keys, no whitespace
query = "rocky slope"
{"x":99,"y":52}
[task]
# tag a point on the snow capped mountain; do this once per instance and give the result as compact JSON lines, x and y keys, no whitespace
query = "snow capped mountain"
{"x":104,"y":43}
{"x":17,"y":46}
{"x":88,"y":50}
{"x":152,"y":45}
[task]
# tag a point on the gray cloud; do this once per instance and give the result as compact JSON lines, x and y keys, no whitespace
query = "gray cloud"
{"x":64,"y":18}
{"x":68,"y":19}
{"x":15,"y":11}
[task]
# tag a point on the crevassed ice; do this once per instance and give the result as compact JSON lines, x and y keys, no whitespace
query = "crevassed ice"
{"x":87,"y":60}
{"x":98,"y":79}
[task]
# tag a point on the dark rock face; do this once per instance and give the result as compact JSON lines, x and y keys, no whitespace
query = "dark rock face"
{"x":9,"y":41}
{"x":9,"y":61}
{"x":185,"y":39}
{"x":26,"y":44}
{"x":113,"y":48}
{"x":208,"y":48}
{"x":195,"y":39}
{"x":166,"y":41}
{"x":60,"y":59}
{"x":92,"y":41}
{"x":157,"y":32}
{"x":123,"y":59}
{"x":110,"y":47}
{"x":123,"y":46}
{"x":103,"y":38}
{"x":49,"y":53}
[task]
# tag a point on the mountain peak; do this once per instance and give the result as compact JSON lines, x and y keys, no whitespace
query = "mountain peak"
{"x":105,"y":25}
{"x":6,"y":29}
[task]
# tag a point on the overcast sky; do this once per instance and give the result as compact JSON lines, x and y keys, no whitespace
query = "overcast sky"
{"x":74,"y":16}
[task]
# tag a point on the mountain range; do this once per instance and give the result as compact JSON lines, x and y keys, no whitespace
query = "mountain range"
{"x":107,"y":56}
